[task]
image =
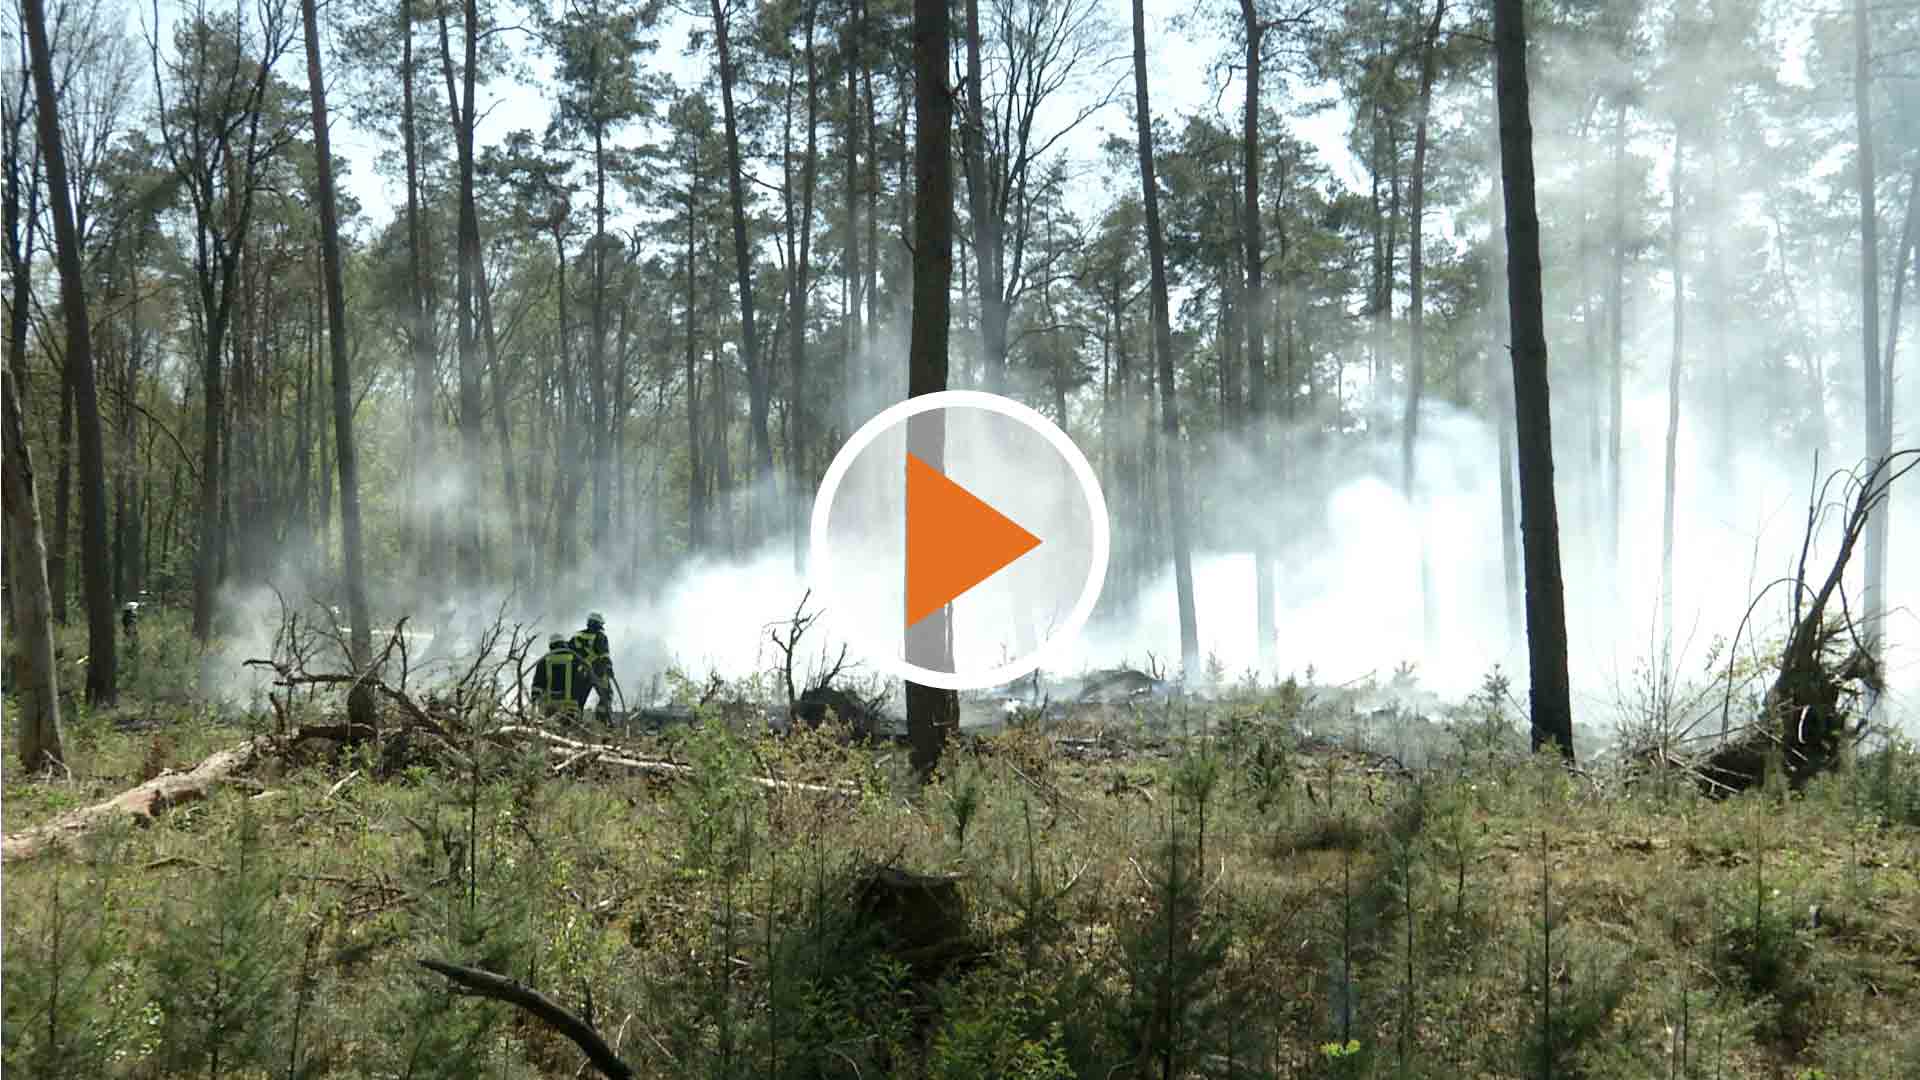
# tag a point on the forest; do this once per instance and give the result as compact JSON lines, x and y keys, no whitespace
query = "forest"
{"x":1503,"y":666}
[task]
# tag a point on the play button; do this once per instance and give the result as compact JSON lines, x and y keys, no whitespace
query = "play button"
{"x":959,"y":540}
{"x":954,"y":540}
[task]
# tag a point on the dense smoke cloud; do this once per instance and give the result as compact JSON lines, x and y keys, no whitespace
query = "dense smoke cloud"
{"x":1353,"y":555}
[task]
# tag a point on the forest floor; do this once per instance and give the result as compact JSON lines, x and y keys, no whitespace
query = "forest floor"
{"x":1255,"y":886}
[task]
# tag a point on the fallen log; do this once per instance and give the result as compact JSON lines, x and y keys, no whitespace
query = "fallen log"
{"x":146,"y":802}
{"x":143,"y":804}
{"x":500,"y":988}
{"x":573,"y":752}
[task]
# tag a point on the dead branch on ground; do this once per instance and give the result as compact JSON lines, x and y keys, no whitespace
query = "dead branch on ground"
{"x":573,"y":753}
{"x":500,"y":988}
{"x":1806,"y":714}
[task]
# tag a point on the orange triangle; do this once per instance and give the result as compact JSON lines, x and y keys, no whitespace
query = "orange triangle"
{"x":954,"y":540}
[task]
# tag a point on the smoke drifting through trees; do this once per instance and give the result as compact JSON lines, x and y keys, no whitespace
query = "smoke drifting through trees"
{"x":573,"y":409}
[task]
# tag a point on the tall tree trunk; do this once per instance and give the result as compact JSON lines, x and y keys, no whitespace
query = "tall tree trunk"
{"x":1121,"y":451}
{"x":425,"y":521}
{"x":461,"y":105}
{"x":799,"y":437}
{"x":597,"y":439}
{"x":1380,"y":302}
{"x":145,"y":556}
{"x":361,"y":639}
{"x":1266,"y":625}
{"x":987,"y":218}
{"x":872,"y":185}
{"x":95,"y":555}
{"x":122,"y":524}
{"x":1546,"y":599}
{"x":1228,"y":330}
{"x":1714,"y":277}
{"x":697,"y":513}
{"x":518,"y":519}
{"x":626,"y":471}
{"x":1673,"y":415}
{"x":852,"y":368}
{"x":61,"y":541}
{"x":128,"y":571}
{"x":933,"y":714}
{"x":1148,"y":488}
{"x":1872,"y":595}
{"x":1594,"y":379}
{"x":720,"y":467}
{"x":1617,"y":287}
{"x":1178,"y":524}
{"x":1902,"y":262}
{"x":33,"y":676}
{"x":18,"y":222}
{"x":169,"y":532}
{"x":566,"y":487}
{"x":236,"y":544}
{"x":1499,"y":382}
{"x":1416,"y":319}
{"x":1382,"y":399}
{"x":900,"y":290}
{"x":21,"y":226}
{"x":303,"y":452}
{"x":1885,"y":425}
{"x":1060,"y":357}
{"x":1500,"y":389}
{"x":220,"y":234}
{"x":325,"y":479}
{"x":759,"y":381}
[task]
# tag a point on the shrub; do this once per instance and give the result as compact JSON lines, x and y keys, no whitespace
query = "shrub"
{"x":218,"y":973}
{"x":68,"y":980}
{"x":995,"y":1032}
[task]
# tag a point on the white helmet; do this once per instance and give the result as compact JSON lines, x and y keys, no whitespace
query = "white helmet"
{"x":595,"y":620}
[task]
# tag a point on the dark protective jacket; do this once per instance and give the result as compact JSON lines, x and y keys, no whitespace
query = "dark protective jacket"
{"x":559,"y":675}
{"x":592,"y":647}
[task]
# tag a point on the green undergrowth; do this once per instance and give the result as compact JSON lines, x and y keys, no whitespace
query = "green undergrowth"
{"x":1249,"y":900}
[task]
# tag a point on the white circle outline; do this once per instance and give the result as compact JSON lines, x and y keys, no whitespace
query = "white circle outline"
{"x":820,"y":576}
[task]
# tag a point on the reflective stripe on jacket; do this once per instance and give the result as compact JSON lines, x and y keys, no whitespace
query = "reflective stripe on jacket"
{"x":592,"y":647}
{"x":553,"y":675}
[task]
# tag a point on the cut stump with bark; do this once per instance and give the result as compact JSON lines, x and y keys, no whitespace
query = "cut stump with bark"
{"x":921,"y":917}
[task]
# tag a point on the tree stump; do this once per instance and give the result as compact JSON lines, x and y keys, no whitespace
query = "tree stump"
{"x":921,"y":918}
{"x":360,"y":706}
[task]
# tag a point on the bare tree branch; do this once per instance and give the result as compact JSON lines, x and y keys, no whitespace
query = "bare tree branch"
{"x":500,"y":988}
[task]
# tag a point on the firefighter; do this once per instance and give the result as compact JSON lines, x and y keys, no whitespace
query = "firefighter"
{"x":560,"y":680}
{"x":591,"y":645}
{"x":130,"y":626}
